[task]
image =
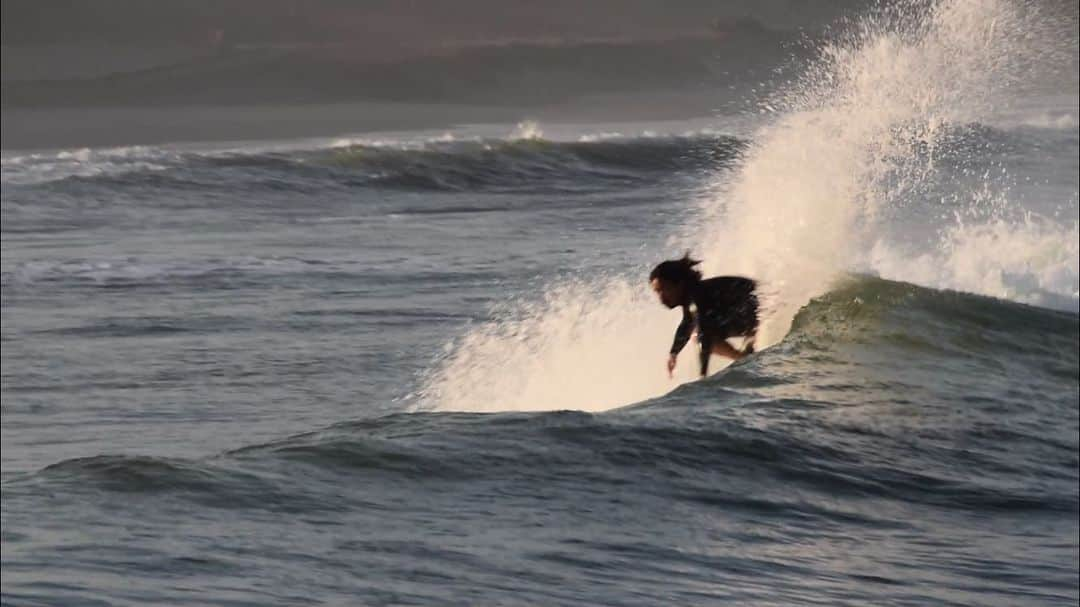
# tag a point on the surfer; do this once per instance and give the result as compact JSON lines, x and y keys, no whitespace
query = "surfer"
{"x":718,"y":308}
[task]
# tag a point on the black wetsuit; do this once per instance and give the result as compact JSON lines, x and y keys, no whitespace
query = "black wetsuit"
{"x":725,"y":306}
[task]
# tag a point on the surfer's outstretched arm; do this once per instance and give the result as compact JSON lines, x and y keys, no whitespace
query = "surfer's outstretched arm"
{"x":682,"y":335}
{"x":682,"y":332}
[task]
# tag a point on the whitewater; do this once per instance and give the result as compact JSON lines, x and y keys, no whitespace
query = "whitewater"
{"x":894,"y":107}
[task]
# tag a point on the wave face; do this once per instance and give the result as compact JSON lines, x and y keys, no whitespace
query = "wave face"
{"x":844,"y":437}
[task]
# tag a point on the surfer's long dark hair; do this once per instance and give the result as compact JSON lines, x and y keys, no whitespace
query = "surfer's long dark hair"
{"x":679,"y":271}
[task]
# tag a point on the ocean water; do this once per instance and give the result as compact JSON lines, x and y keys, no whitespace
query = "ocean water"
{"x":424,"y":367}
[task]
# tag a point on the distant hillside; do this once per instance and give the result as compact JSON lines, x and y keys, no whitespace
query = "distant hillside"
{"x":506,"y":72}
{"x":404,"y":23}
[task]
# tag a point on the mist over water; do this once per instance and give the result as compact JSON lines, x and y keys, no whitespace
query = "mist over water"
{"x":857,"y":142}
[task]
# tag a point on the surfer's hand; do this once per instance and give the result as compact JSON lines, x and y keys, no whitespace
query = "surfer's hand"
{"x":671,"y":364}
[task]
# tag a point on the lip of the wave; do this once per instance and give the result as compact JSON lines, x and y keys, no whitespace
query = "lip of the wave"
{"x":945,"y":325}
{"x":872,"y":294}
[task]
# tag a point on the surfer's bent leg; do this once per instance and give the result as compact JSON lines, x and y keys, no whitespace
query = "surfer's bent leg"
{"x":739,"y":322}
{"x":718,"y":346}
{"x":705,"y":341}
{"x":748,"y":345}
{"x":722,"y":348}
{"x":744,"y":323}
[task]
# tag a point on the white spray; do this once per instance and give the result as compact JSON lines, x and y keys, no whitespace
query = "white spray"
{"x":852,"y":136}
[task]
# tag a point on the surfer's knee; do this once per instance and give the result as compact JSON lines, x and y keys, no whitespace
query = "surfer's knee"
{"x":748,"y":344}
